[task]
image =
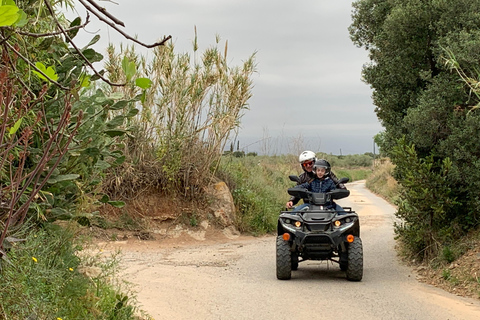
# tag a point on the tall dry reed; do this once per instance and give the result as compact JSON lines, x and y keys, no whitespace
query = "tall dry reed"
{"x":187,"y":115}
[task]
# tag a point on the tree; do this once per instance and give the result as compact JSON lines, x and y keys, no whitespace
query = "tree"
{"x":418,"y":97}
{"x":406,"y":41}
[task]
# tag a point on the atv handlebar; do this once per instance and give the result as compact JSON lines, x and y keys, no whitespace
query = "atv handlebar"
{"x":318,"y":198}
{"x":339,"y":193}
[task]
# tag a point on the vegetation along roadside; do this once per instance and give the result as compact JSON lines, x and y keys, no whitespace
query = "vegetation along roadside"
{"x":76,"y":140}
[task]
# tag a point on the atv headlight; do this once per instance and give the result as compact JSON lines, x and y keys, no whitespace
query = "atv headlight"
{"x":298,"y":224}
{"x":337,"y":223}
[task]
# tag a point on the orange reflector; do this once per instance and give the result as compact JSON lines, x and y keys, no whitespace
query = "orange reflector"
{"x":286,"y":236}
{"x":350,"y":238}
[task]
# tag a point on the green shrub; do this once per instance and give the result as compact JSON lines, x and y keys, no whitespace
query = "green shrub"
{"x":448,"y":254}
{"x":46,"y":278}
{"x":427,"y":207}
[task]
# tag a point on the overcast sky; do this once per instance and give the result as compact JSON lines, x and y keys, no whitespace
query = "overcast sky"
{"x":307,"y":93}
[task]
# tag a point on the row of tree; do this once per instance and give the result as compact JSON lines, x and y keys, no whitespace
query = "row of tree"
{"x":424,"y":67}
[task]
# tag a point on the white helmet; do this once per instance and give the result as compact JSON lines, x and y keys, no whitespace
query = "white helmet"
{"x":306,"y":156}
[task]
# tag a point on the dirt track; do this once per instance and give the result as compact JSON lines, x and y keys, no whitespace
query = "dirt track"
{"x":231,"y":277}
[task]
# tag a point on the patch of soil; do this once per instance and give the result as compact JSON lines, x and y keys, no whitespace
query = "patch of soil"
{"x":461,"y":277}
{"x":156,"y":207}
{"x":161,"y":219}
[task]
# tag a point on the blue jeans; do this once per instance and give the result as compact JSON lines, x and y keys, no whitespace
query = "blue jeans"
{"x":339,"y":210}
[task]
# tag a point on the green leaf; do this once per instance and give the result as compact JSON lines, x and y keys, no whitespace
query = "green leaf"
{"x":75,"y":23}
{"x":22,"y":19}
{"x":92,"y":55}
{"x":15,"y":127}
{"x":115,"y":132}
{"x":63,"y":177}
{"x":85,"y":81}
{"x":49,"y":72}
{"x":104,"y":199}
{"x":132,"y":113}
{"x":129,"y":68}
{"x":115,"y":122}
{"x":94,"y":40}
{"x":102,"y":165}
{"x":91,"y":152}
{"x":116,"y":96}
{"x":117,"y":204}
{"x":119,"y":161}
{"x":45,"y":44}
{"x":8,"y":15}
{"x":120,"y":105}
{"x":96,"y":77}
{"x":143,"y":83}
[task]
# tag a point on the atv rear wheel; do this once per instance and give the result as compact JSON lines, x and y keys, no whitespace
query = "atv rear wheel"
{"x":355,"y":260}
{"x":284,"y":259}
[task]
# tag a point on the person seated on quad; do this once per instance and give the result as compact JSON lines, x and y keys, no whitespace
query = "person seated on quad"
{"x":322,"y":183}
{"x":307,"y":159}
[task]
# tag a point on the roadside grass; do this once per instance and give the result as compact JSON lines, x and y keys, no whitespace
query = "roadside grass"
{"x":456,"y":268}
{"x":381,"y":181}
{"x":258,"y":185}
{"x":47,"y":277}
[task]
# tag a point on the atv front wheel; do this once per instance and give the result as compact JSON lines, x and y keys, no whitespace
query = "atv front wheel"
{"x":355,"y":260}
{"x":294,"y":258}
{"x":343,"y":261}
{"x":284,"y":259}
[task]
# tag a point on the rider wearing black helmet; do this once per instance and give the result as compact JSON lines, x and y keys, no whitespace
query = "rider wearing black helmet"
{"x":322,"y":183}
{"x":307,"y":160}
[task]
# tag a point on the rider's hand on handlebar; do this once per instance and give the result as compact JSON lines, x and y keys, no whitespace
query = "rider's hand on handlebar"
{"x":289,"y":204}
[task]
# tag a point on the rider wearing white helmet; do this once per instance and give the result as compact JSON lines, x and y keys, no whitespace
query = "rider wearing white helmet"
{"x":307,"y":160}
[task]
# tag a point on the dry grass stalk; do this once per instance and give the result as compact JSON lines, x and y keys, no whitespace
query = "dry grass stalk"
{"x":187,"y":116}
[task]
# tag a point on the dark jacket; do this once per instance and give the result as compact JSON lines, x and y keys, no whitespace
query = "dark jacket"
{"x":308,"y":177}
{"x":323,"y":185}
{"x":317,"y":185}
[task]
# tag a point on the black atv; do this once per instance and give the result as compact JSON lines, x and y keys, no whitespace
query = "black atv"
{"x":317,"y":233}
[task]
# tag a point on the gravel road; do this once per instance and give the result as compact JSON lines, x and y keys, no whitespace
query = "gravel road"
{"x":233,"y":277}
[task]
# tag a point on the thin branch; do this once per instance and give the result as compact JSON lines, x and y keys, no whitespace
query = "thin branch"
{"x":104,"y":12}
{"x":68,"y":39}
{"x":10,"y":62}
{"x":5,"y":39}
{"x":40,"y":35}
{"x":165,"y":39}
{"x":33,"y":66}
{"x":39,"y":186}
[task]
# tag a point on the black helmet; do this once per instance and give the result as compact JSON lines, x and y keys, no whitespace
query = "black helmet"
{"x":322,"y":163}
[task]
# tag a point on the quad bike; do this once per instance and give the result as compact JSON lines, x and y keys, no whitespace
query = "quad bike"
{"x":317,"y":233}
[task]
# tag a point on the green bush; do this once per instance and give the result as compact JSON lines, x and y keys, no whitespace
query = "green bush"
{"x":46,"y":278}
{"x":427,"y":207}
